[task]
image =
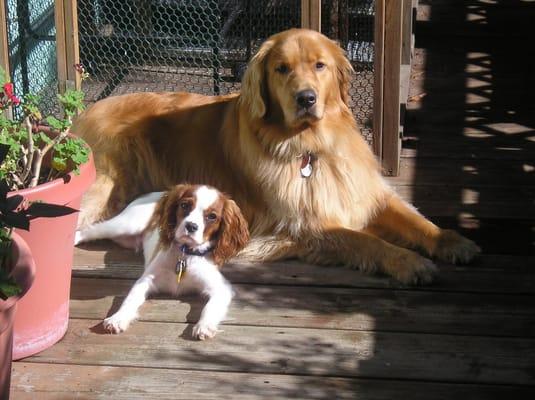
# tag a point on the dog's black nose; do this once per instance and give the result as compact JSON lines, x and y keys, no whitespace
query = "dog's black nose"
{"x":191,"y":227}
{"x":306,"y":98}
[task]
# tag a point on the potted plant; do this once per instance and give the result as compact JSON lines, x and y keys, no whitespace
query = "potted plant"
{"x":17,"y":267}
{"x":45,"y":163}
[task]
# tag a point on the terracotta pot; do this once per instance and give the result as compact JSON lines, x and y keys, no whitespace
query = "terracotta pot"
{"x":23,"y":270}
{"x":43,"y":314}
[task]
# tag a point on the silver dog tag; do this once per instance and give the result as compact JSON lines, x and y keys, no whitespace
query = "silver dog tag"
{"x":306,"y":165}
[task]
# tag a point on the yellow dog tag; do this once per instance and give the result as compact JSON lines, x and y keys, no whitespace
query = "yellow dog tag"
{"x":180,"y":270}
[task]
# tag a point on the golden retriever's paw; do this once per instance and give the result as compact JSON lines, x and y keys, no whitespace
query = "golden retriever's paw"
{"x":454,"y":248}
{"x":411,"y":268}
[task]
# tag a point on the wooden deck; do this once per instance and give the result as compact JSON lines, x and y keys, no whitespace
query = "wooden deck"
{"x":302,"y":331}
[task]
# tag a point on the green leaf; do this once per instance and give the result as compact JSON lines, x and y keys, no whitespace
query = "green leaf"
{"x":54,"y":122}
{"x":8,"y":286}
{"x":15,"y":219}
{"x":49,"y":210}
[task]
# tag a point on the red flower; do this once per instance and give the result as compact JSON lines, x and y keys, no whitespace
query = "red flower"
{"x":8,"y":91}
{"x":79,"y":68}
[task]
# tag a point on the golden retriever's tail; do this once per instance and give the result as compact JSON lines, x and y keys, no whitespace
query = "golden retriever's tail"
{"x":268,"y":248}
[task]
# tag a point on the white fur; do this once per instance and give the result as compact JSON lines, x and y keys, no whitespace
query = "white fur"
{"x":201,"y":275}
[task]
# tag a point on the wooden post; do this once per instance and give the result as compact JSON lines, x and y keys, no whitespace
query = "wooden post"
{"x":391,"y":141}
{"x":311,"y":14}
{"x":67,"y":44}
{"x":378,"y":68}
{"x":4,"y":47}
{"x":72,"y":47}
{"x":60,"y":45}
{"x":407,"y":42}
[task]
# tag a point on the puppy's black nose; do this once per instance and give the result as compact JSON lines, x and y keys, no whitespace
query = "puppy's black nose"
{"x":306,"y":98}
{"x":191,"y":227}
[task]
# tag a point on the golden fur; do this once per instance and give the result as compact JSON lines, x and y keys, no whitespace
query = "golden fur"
{"x":250,"y":146}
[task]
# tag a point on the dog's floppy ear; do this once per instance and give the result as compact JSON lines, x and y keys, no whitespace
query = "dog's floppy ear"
{"x":164,"y":217}
{"x":344,"y":72}
{"x":233,"y":233}
{"x":253,"y":88}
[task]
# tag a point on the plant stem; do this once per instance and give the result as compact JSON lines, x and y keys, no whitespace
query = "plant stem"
{"x":36,"y":170}
{"x":29,"y":161}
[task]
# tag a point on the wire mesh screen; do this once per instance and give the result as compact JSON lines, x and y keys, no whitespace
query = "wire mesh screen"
{"x":351,"y":23}
{"x":204,"y":46}
{"x":32,"y":50}
{"x":195,"y":46}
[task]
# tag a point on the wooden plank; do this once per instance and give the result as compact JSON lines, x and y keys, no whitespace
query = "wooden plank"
{"x":465,"y":172}
{"x":466,"y":143}
{"x":315,"y":352}
{"x":378,"y":78}
{"x":460,"y":84}
{"x":101,"y":253}
{"x":4,"y":47}
{"x":449,"y":58}
{"x":484,"y":20}
{"x":311,"y":14}
{"x":108,"y":264}
{"x":72,"y":55}
{"x":327,"y":308}
{"x":391,"y":101}
{"x":315,"y":15}
{"x":484,"y":202}
{"x":61,"y":46}
{"x":305,"y":14}
{"x":407,"y":30}
{"x":52,"y":381}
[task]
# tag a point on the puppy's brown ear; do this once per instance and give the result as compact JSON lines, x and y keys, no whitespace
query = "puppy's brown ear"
{"x":344,"y":72}
{"x":233,"y":233}
{"x":164,"y":217}
{"x":253,"y":88}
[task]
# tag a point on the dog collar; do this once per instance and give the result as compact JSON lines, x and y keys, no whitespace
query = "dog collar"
{"x":182,"y":265}
{"x":188,"y":251}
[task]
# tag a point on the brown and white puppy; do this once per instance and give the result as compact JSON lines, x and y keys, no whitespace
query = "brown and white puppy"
{"x":186,"y":234}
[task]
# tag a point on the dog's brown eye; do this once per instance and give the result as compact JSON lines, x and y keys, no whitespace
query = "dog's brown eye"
{"x":211,"y":217}
{"x":185,"y":206}
{"x":320,"y":66}
{"x":282,"y":69}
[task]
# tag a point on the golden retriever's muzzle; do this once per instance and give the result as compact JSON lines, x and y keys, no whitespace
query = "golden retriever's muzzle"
{"x":306,"y":103}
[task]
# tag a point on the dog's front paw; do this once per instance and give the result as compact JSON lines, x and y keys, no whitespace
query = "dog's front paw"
{"x":116,"y":324}
{"x":203,"y":331}
{"x":454,"y":248}
{"x":410,"y":268}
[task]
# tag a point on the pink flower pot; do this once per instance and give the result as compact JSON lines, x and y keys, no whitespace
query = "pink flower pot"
{"x":43,"y":314}
{"x":23,"y":270}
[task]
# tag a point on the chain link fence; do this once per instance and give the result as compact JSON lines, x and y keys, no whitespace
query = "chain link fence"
{"x":31,"y":37}
{"x":351,"y":23}
{"x":204,"y":46}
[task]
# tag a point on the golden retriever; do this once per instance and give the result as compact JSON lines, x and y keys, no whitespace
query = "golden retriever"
{"x":287,"y":149}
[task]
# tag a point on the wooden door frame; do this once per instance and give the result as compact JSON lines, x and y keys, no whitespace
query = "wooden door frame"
{"x":66,"y":18}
